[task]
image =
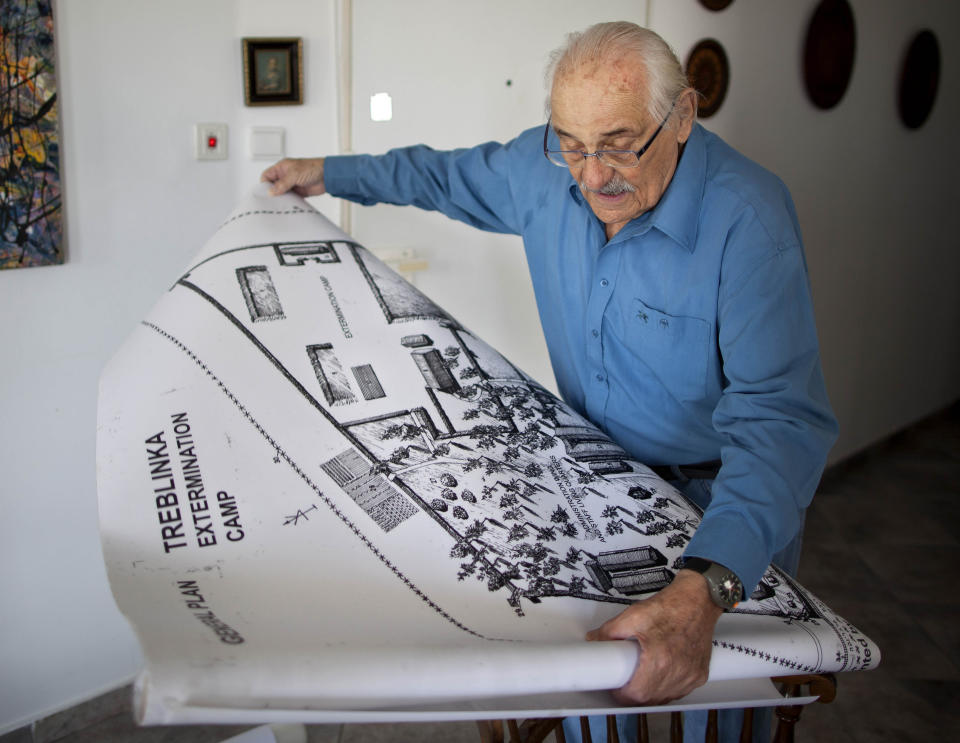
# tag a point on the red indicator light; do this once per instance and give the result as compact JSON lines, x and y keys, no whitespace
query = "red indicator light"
{"x":212,"y":142}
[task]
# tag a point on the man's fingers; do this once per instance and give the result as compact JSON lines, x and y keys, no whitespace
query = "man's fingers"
{"x":279,"y":187}
{"x":625,"y":626}
{"x":269,"y":175}
{"x":600,"y":633}
{"x":289,"y":175}
{"x":674,"y":630}
{"x":274,"y":172}
{"x":303,"y":176}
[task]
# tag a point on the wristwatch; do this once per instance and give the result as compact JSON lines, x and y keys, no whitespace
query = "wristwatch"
{"x":726,"y":590}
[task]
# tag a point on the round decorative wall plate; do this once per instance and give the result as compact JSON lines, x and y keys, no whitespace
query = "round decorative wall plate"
{"x":715,"y":4}
{"x":828,"y":52}
{"x":919,"y":79}
{"x":709,"y":73}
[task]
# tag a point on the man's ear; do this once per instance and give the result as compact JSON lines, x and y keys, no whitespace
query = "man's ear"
{"x":686,"y":108}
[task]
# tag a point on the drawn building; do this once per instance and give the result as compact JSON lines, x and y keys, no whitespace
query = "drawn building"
{"x":778,"y":595}
{"x":588,"y":445}
{"x":259,"y":293}
{"x":416,"y":341}
{"x":296,"y":254}
{"x":630,"y":571}
{"x":369,"y":490}
{"x":370,"y":386}
{"x":434,"y":371}
{"x":333,"y":381}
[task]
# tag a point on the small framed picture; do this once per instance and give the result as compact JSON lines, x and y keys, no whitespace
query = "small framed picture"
{"x":273,"y":72}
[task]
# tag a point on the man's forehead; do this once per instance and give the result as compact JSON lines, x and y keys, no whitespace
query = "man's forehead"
{"x":611,"y":72}
{"x":608,"y":116}
{"x":623,"y":69}
{"x":613,"y":90}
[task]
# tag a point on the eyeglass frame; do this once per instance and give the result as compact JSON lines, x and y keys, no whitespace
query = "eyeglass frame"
{"x":600,"y":153}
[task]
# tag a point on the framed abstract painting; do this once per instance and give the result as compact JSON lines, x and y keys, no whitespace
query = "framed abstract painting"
{"x":31,"y":213}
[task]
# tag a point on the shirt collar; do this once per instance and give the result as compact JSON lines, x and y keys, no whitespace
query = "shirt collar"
{"x":677,"y":214}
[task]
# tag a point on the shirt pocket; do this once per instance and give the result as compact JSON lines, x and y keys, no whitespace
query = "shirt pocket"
{"x":675,"y":348}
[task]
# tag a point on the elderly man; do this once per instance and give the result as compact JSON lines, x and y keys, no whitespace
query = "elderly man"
{"x":672,"y":289}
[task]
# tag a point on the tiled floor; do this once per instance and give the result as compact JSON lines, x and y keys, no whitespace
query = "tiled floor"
{"x":882,"y":547}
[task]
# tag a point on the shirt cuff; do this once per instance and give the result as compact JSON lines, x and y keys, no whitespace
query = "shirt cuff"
{"x":340,"y":176}
{"x":727,"y":539}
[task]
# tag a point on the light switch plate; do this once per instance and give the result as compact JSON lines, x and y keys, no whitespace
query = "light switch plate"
{"x":267,"y":142}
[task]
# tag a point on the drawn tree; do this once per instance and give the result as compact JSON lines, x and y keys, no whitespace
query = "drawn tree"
{"x":559,"y":515}
{"x":512,"y":514}
{"x":645,"y":517}
{"x":451,"y":357}
{"x":615,"y":527}
{"x":533,"y":470}
{"x":611,"y":512}
{"x":658,"y":527}
{"x":551,"y":566}
{"x":485,"y":435}
{"x":472,"y":463}
{"x":402,"y":431}
{"x":508,"y":501}
{"x":547,"y":533}
{"x":585,"y":477}
{"x":537,"y":552}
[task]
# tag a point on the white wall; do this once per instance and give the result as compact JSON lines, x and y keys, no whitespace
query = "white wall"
{"x":134,"y":78}
{"x":873,"y":199}
{"x":448,"y":76}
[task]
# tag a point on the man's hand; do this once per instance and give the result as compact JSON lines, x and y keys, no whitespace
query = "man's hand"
{"x":675,"y":631}
{"x":303,"y":176}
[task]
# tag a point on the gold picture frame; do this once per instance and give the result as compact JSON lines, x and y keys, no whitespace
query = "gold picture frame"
{"x":273,"y":71}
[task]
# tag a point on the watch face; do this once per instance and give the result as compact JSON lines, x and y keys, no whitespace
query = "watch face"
{"x":729,"y":590}
{"x":725,"y":587}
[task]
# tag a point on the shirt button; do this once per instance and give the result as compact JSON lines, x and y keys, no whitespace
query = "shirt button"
{"x":599,"y":377}
{"x":603,"y":282}
{"x":595,"y":333}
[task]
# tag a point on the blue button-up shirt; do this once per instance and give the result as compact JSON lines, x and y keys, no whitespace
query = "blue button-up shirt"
{"x":689,"y":336}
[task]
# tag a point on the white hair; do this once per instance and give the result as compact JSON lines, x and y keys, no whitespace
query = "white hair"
{"x":666,"y":79}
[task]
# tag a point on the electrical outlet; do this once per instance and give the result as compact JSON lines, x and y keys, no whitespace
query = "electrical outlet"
{"x":210,"y":141}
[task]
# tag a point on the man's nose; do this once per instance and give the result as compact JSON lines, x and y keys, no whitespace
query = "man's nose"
{"x":594,"y":174}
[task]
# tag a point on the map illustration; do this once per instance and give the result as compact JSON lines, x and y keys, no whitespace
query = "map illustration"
{"x":297,"y":444}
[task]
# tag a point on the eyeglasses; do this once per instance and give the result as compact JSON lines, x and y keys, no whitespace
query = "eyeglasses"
{"x":613,"y":158}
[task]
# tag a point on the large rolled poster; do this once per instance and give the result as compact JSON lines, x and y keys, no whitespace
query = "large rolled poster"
{"x":322,"y":498}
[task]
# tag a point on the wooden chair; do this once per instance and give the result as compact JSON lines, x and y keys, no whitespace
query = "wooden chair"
{"x":536,"y":730}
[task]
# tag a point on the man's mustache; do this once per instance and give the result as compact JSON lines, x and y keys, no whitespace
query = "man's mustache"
{"x":614,"y":187}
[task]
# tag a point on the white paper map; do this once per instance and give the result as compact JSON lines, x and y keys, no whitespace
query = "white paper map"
{"x":322,"y":498}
